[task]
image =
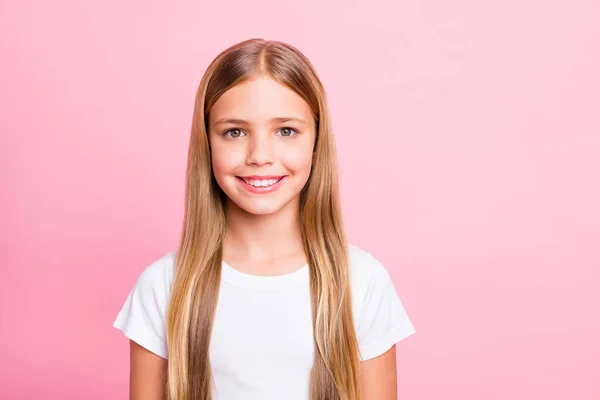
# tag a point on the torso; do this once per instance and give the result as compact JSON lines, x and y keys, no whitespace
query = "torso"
{"x":257,"y":318}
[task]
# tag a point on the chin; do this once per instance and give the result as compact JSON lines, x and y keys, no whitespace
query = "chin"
{"x":256,"y":208}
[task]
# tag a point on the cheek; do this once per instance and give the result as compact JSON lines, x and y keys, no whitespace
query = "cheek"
{"x":300,"y":160}
{"x":225,"y":160}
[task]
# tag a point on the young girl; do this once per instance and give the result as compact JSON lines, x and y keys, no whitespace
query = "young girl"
{"x":264,"y":299}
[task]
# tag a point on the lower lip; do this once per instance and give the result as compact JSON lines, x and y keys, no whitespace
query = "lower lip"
{"x":262,"y":189}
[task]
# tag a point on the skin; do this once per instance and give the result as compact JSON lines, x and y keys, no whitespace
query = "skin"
{"x":263,"y":230}
{"x":378,"y":378}
{"x":147,"y":371}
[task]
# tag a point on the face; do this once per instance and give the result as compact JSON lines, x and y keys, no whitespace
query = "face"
{"x":262,"y":136}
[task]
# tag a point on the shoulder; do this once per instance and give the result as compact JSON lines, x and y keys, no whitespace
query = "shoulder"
{"x":142,"y":317}
{"x":380,"y":317}
{"x":364,"y":266}
{"x":151,"y":292}
{"x":158,"y":275}
{"x":367,"y":274}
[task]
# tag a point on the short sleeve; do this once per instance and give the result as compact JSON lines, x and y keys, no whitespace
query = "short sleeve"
{"x":383,"y":321}
{"x":142,"y":316}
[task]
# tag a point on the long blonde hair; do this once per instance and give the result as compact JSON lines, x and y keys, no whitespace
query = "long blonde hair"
{"x":195,"y":290}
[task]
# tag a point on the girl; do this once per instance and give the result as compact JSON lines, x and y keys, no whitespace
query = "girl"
{"x":264,"y":299}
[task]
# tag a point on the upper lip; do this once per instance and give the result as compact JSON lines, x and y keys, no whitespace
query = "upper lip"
{"x":263,"y":177}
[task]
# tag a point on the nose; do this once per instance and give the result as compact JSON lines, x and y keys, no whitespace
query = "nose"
{"x":260,"y":150}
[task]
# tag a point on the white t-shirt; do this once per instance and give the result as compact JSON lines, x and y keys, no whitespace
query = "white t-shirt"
{"x":262,"y":341}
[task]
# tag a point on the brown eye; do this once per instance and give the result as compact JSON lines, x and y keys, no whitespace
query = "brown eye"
{"x":287,"y":132}
{"x":233,"y":133}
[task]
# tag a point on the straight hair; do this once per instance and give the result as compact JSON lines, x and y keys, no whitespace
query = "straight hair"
{"x":194,"y":295}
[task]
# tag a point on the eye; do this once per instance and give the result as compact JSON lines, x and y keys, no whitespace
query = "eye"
{"x":233,"y":133}
{"x":287,"y":132}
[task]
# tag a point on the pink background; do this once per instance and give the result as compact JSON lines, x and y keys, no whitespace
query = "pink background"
{"x":469,"y":141}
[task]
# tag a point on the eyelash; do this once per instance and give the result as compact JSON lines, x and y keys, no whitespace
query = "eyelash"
{"x":295,"y":132}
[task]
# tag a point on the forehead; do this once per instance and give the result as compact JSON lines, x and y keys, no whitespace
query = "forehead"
{"x":260,"y":100}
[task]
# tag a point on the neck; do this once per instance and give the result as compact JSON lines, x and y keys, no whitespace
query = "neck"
{"x":263,"y":237}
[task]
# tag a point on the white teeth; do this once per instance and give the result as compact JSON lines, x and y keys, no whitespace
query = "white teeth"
{"x":260,"y":183}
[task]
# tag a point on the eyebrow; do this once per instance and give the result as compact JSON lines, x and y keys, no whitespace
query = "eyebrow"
{"x":277,"y":120}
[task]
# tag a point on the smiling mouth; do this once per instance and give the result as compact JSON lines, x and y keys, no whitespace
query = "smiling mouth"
{"x":261,"y":182}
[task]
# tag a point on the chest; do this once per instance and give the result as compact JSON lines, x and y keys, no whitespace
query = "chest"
{"x":262,"y":336}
